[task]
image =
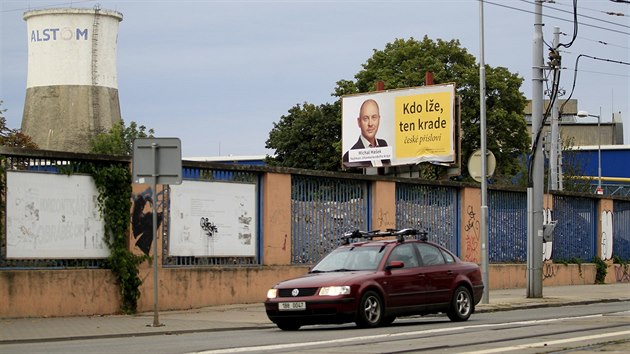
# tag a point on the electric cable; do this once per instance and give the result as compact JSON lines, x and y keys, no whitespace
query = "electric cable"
{"x":556,"y":18}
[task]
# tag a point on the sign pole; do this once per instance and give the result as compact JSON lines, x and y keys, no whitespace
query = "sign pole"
{"x":162,"y":165}
{"x":156,"y":319}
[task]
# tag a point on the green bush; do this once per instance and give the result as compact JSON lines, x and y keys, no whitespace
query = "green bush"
{"x":601,"y":270}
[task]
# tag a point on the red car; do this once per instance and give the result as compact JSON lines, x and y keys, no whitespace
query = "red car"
{"x":371,"y":282}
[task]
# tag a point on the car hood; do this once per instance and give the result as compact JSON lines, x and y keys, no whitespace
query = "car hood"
{"x":316,"y":280}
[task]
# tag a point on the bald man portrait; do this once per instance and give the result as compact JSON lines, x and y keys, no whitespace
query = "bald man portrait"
{"x":368,"y":120}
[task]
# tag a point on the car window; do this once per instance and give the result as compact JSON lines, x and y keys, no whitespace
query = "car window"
{"x":448,"y":257}
{"x":361,"y":259}
{"x":406,"y":254}
{"x":430,"y":255}
{"x":350,"y":258}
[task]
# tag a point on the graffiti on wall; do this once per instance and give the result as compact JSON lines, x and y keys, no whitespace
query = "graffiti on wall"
{"x":384,"y":220}
{"x":471,"y":229}
{"x":142,"y":217}
{"x":622,"y":273}
{"x":549,"y":270}
{"x":208,"y":227}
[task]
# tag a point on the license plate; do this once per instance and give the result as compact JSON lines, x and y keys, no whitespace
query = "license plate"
{"x":292,"y":306}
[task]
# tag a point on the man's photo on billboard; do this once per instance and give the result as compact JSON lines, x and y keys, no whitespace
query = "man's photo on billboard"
{"x":368,"y":121}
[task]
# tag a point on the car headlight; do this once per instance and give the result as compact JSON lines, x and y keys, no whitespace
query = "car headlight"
{"x":334,"y":290}
{"x":272,"y":293}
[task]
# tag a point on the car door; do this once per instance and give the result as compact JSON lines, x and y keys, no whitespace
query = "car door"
{"x":404,"y":285}
{"x":437,"y":272}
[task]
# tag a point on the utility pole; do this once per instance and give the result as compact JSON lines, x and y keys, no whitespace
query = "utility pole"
{"x":484,"y":162}
{"x":536,"y":166}
{"x":553,"y":158}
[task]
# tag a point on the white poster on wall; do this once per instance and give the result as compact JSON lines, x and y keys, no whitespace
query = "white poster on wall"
{"x":607,"y":235}
{"x":213,"y":219}
{"x":53,"y":216}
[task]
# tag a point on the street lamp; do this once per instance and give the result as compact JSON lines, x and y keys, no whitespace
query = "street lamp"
{"x":584,"y":114}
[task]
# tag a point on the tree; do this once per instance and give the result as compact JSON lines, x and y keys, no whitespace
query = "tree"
{"x":13,"y":137}
{"x":573,"y":169}
{"x":308,"y":137}
{"x":403,"y":63}
{"x":119,"y":140}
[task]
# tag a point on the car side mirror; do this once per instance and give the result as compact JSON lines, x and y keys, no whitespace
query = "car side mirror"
{"x":395,"y":265}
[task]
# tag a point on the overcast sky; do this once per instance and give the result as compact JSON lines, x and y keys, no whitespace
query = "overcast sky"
{"x":218,"y":74}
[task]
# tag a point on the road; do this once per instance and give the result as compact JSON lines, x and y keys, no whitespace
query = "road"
{"x":570,"y":329}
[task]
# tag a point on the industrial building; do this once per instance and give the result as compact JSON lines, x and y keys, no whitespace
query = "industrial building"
{"x":71,"y":88}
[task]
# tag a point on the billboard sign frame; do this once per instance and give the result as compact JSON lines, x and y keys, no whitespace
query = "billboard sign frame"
{"x":403,"y":126}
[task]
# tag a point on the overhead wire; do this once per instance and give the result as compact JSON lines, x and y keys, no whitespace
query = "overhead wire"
{"x":599,"y":11}
{"x":575,"y":27}
{"x":576,"y":23}
{"x":602,"y":42}
{"x":555,"y":17}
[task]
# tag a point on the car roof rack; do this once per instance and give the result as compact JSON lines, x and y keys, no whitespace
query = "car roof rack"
{"x":401,"y":235}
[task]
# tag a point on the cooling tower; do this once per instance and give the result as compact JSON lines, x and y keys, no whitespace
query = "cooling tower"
{"x":71,"y":87}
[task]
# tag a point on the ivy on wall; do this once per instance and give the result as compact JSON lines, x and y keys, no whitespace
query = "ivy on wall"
{"x":113,"y":183}
{"x":601,"y":270}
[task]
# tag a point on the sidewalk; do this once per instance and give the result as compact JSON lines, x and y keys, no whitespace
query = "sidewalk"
{"x":252,"y":316}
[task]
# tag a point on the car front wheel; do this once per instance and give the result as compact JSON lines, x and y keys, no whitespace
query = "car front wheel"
{"x":461,"y":305}
{"x":370,"y":310}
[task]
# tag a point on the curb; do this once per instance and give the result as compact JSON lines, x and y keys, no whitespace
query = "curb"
{"x":507,"y":306}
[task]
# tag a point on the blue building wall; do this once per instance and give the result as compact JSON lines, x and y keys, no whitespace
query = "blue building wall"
{"x":615,"y":162}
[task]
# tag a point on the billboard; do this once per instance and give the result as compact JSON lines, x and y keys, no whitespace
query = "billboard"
{"x":213,"y":219}
{"x":51,"y":216}
{"x":399,"y":127}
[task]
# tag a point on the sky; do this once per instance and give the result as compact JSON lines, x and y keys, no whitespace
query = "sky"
{"x":219,"y":74}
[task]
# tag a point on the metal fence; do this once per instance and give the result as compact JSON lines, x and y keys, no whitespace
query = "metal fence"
{"x":323,"y":209}
{"x":575,"y":233}
{"x":621,"y":229}
{"x":434,"y":209}
{"x":507,"y":227}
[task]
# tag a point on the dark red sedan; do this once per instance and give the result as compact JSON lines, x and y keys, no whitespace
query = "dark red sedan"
{"x":382,"y":276}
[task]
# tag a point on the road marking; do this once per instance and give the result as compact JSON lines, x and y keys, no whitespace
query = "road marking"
{"x":544,"y":344}
{"x":383,"y":336}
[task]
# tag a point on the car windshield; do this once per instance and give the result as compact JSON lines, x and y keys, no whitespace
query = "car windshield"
{"x":350,"y":258}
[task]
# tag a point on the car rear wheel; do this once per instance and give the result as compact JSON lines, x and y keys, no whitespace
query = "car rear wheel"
{"x":370,"y":312}
{"x":288,"y":325}
{"x":461,"y":305}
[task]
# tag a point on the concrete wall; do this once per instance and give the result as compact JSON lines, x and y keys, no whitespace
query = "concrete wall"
{"x":66,"y":118}
{"x":510,"y":276}
{"x":585,"y":134}
{"x":40,"y":293}
{"x":384,"y":205}
{"x":81,"y":292}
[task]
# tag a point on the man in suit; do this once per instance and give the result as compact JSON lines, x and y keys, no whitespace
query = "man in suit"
{"x":368,"y":121}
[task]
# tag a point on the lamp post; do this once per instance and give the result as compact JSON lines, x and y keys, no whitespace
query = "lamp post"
{"x":584,"y":114}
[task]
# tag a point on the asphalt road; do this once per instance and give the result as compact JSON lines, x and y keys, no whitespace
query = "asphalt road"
{"x":567,"y":329}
